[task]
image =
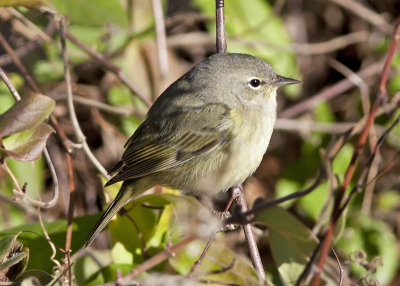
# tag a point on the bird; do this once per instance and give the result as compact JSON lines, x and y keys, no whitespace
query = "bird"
{"x":207,"y":132}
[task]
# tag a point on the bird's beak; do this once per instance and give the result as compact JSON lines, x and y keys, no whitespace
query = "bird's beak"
{"x":284,"y":81}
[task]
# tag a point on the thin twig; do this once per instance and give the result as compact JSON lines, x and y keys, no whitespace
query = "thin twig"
{"x":220,"y":37}
{"x":29,"y":24}
{"x":330,"y":92}
{"x":75,"y":123}
{"x":319,"y":48}
{"x":237,"y":192}
{"x":60,"y":132}
{"x":337,"y":210}
{"x":9,"y":85}
{"x":161,"y":38}
{"x":108,"y":65}
{"x":19,"y":64}
{"x":125,"y":111}
{"x":52,"y":245}
{"x":367,"y":14}
{"x":71,"y":208}
{"x":160,"y":257}
{"x":246,"y":216}
{"x":27,"y":47}
{"x":21,"y":193}
{"x":197,"y":263}
{"x":364,"y":90}
{"x":364,"y":173}
{"x":341,"y":271}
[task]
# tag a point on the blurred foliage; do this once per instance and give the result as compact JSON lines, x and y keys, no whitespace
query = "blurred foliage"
{"x":124,"y":32}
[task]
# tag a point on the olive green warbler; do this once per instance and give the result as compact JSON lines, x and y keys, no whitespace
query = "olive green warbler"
{"x":205,"y":133}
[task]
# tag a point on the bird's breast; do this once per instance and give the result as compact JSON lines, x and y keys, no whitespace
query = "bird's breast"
{"x":250,"y":135}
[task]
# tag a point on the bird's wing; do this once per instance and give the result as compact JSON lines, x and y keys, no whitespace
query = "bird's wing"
{"x":176,"y":138}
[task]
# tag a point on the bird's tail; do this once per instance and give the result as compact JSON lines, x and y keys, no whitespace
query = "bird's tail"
{"x":127,"y":192}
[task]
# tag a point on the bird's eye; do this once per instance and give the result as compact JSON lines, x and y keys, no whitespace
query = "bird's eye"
{"x":254,"y":83}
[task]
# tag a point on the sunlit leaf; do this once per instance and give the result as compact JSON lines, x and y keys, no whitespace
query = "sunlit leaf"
{"x":220,"y":264}
{"x":40,"y":251}
{"x":93,"y":12}
{"x":28,"y":145}
{"x":13,"y":260}
{"x":13,"y":256}
{"x":108,"y":274}
{"x":150,"y":220}
{"x":34,"y":4}
{"x":27,"y":113}
{"x":5,"y":245}
{"x":291,"y":242}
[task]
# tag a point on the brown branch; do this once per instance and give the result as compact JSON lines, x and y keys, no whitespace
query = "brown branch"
{"x":247,"y":216}
{"x":9,"y":85}
{"x":19,"y":64}
{"x":336,"y":212}
{"x":108,"y":65}
{"x":237,"y":192}
{"x":330,"y":92}
{"x":220,"y":37}
{"x":366,"y":14}
{"x":71,"y":208}
{"x":160,"y":257}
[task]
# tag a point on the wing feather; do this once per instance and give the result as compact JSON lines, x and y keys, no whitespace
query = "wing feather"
{"x":158,"y":145}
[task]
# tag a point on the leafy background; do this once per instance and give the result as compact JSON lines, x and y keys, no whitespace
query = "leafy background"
{"x":296,"y":38}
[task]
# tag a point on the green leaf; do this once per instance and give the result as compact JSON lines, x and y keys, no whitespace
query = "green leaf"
{"x":86,"y":266}
{"x":5,"y":245}
{"x":27,"y":113}
{"x":93,"y":12}
{"x":34,"y":4}
{"x":119,"y":95}
{"x":28,"y":145}
{"x":13,"y":257}
{"x":108,"y":274}
{"x":40,"y":251}
{"x":13,"y":260}
{"x":286,"y":187}
{"x":31,"y":277}
{"x":220,"y":264}
{"x":168,"y":213}
{"x":291,"y":242}
{"x":342,"y":159}
{"x":376,"y":239}
{"x":313,"y":203}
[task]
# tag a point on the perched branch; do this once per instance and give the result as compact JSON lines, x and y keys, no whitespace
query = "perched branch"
{"x":246,"y":216}
{"x":220,"y":15}
{"x":237,"y":192}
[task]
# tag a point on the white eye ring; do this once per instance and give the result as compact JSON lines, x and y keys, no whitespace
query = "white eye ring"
{"x":254,"y":83}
